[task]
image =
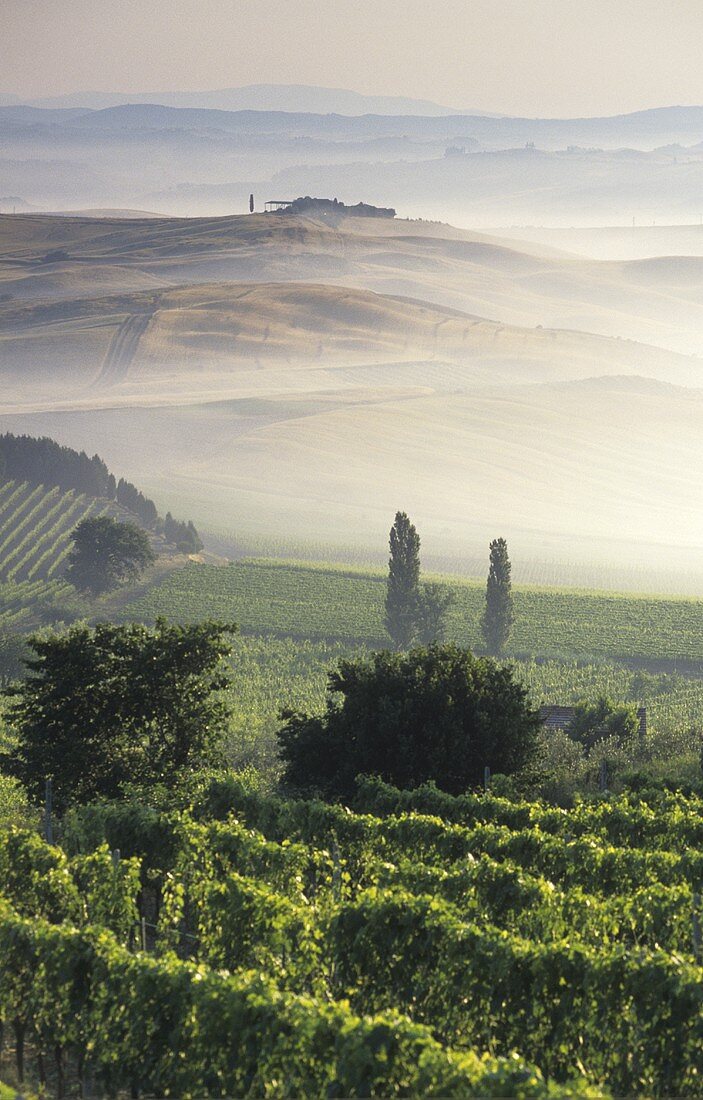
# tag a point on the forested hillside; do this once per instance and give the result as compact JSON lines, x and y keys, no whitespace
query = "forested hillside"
{"x":44,"y":462}
{"x":46,"y":491}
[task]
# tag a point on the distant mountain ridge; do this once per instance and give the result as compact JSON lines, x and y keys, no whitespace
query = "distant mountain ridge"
{"x":300,"y":98}
{"x":462,"y":168}
{"x":304,"y":99}
{"x":647,"y":130}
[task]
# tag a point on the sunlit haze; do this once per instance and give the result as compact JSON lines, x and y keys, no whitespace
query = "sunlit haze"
{"x":527,"y":57}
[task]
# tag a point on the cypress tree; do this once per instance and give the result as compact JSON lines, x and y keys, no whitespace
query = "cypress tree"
{"x":403,"y":582}
{"x":499,"y":615}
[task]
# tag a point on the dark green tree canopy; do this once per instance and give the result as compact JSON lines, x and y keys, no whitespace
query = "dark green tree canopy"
{"x":113,"y":705}
{"x":594,"y":722}
{"x":182,"y":535}
{"x":433,"y":604}
{"x":45,"y":462}
{"x":403,"y":581}
{"x":499,"y":614}
{"x":106,"y":554}
{"x":435,"y":713}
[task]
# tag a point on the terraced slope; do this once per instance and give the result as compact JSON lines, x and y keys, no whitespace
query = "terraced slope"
{"x":35,"y":529}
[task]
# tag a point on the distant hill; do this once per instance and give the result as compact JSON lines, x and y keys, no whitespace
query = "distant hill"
{"x":465,"y":168}
{"x":190,"y":340}
{"x":656,"y":128}
{"x":522,"y":284}
{"x":11,"y":203}
{"x":259,"y":97}
{"x":17,"y":115}
{"x":96,"y":212}
{"x":281,"y":379}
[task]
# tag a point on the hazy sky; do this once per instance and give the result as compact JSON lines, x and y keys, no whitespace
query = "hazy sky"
{"x":534,"y":57}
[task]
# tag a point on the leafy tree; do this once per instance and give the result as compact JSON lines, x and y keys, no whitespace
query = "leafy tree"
{"x":130,"y":498}
{"x":403,"y":581}
{"x":433,"y":603}
{"x":499,"y":615}
{"x":183,"y":535}
{"x":13,"y":652}
{"x":595,"y":722}
{"x":107,"y":553}
{"x":435,"y":713}
{"x":113,"y":705}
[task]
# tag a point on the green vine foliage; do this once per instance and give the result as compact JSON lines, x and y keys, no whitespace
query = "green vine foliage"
{"x":176,"y":1029}
{"x":418,"y":944}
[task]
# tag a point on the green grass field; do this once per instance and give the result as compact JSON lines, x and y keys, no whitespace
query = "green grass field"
{"x":297,"y":620}
{"x":338,"y":603}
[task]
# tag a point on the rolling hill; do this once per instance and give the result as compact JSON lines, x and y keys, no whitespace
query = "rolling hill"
{"x":256,"y":97}
{"x":521,"y":284}
{"x":214,"y":340}
{"x":287,"y":380}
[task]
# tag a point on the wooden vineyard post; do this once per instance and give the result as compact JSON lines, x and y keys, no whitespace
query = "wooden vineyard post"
{"x":696,"y":926}
{"x":336,"y":869}
{"x":48,"y":824}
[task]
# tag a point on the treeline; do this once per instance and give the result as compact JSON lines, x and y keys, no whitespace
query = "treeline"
{"x":46,"y":462}
{"x":182,"y":534}
{"x":26,"y":458}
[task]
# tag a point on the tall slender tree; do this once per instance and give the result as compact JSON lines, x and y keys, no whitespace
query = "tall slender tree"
{"x":403,"y":582}
{"x":499,"y":615}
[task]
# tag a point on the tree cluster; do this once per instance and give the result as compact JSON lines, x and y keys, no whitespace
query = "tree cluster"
{"x":435,"y":713}
{"x":114,"y":705}
{"x":26,"y":458}
{"x":45,"y":462}
{"x":415,"y":612}
{"x":182,"y":535}
{"x":135,"y":502}
{"x":599,"y":721}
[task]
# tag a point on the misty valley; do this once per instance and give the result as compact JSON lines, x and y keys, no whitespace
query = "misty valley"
{"x":351,"y":598}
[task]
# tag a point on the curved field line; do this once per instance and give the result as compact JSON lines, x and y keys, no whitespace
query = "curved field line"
{"x":123,"y":347}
